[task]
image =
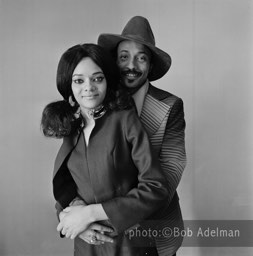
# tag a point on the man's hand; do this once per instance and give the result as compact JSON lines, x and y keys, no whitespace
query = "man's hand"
{"x":94,"y":234}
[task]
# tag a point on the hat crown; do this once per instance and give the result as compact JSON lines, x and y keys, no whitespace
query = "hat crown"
{"x":139,"y":28}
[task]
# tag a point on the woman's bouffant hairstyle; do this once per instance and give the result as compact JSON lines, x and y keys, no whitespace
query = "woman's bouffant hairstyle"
{"x":73,"y":56}
{"x":58,"y":118}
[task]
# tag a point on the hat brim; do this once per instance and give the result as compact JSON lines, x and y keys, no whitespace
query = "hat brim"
{"x":161,"y":61}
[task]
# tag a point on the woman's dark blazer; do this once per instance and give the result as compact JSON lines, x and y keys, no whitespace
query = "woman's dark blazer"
{"x":124,"y":173}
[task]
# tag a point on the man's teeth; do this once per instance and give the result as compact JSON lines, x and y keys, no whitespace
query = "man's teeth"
{"x":132,"y":75}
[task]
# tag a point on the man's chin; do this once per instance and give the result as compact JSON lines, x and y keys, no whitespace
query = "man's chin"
{"x":131,"y":83}
{"x":132,"y":86}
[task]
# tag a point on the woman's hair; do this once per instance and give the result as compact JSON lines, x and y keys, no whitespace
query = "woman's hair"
{"x":58,"y":118}
{"x":73,"y":56}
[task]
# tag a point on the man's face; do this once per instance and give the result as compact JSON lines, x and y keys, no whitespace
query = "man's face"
{"x":133,"y":60}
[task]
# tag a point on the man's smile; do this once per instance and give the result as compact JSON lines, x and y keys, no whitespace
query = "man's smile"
{"x":131,"y":74}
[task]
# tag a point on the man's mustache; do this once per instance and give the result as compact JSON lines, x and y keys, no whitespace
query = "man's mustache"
{"x":131,"y":71}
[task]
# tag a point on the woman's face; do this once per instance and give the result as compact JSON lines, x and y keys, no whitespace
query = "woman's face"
{"x":88,"y":84}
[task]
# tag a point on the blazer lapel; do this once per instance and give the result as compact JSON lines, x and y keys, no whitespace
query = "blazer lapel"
{"x":153,"y":111}
{"x":66,"y":147}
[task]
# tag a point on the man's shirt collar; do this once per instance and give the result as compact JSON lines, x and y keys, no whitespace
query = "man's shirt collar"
{"x":139,"y":97}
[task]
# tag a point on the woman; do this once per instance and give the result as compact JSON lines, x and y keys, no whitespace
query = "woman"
{"x":105,"y":159}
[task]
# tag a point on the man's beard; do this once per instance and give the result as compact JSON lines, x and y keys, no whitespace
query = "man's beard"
{"x":132,"y":90}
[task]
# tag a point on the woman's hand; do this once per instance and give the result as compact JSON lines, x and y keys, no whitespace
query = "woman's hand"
{"x":94,"y":234}
{"x":74,"y":220}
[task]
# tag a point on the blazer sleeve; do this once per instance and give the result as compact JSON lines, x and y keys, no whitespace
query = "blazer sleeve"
{"x":172,"y":155}
{"x":64,"y":187}
{"x":150,"y":193}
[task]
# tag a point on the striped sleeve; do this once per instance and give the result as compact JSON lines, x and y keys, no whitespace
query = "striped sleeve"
{"x":172,"y":154}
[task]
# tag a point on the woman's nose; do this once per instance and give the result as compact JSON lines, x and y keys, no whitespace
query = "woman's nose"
{"x":89,"y":86}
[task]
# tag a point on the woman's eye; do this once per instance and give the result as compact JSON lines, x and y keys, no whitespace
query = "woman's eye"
{"x":98,"y":79}
{"x":78,"y":81}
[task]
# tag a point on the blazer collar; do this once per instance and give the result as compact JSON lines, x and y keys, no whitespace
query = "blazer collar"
{"x":154,"y":110}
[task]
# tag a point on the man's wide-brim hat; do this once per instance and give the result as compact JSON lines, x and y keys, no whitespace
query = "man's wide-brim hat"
{"x":138,"y":30}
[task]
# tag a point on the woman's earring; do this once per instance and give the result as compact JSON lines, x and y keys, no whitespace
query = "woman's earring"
{"x":78,"y":113}
{"x":74,"y":104}
{"x":71,"y":102}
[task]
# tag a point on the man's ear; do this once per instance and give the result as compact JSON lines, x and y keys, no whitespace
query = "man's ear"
{"x":150,"y":67}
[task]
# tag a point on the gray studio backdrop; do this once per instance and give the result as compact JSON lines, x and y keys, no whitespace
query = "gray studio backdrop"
{"x":210,"y":42}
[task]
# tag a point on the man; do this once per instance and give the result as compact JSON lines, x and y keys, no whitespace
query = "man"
{"x":141,"y":62}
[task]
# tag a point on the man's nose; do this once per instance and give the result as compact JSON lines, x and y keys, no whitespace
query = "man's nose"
{"x":131,"y":63}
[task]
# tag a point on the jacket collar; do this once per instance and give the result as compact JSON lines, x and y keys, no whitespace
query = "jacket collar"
{"x":154,"y":110}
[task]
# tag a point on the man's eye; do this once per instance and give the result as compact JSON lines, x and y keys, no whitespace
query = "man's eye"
{"x":142,"y":58}
{"x":123,"y":57}
{"x":78,"y":81}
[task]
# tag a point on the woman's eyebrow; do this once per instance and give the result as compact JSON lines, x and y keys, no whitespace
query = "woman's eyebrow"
{"x":77,"y":75}
{"x":95,"y":73}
